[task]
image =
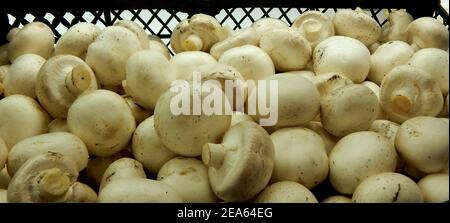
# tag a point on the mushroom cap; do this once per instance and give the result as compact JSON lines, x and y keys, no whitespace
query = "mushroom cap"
{"x":137,"y":30}
{"x":76,"y":40}
{"x":238,"y":116}
{"x":328,"y":82}
{"x":304,"y":73}
{"x":376,"y":89}
{"x":148,"y":76}
{"x":3,"y":153}
{"x":156,"y":44}
{"x":386,"y":57}
{"x":139,"y":113}
{"x":286,"y":192}
{"x":245,"y":36}
{"x":357,"y":156}
{"x":357,"y":24}
{"x":123,"y":168}
{"x":52,"y":88}
{"x":28,"y":184}
{"x":35,"y":37}
{"x":241,"y":166}
{"x":423,"y":142}
{"x":186,"y":134}
{"x":348,"y":109}
{"x":103,"y":120}
{"x":264,"y":25}
{"x":315,"y":26}
{"x":396,"y":26}
{"x":188,"y":177}
{"x":300,"y":156}
{"x":342,"y":55}
{"x":435,"y":62}
{"x":337,"y":199}
{"x":434,"y":188}
{"x":184,"y":64}
{"x":147,"y":147}
{"x":138,"y":190}
{"x":407,"y":91}
{"x":287,"y":48}
{"x":298,"y":100}
{"x":24,"y":71}
{"x":427,"y":32}
{"x":108,"y":54}
{"x":22,"y":117}
{"x":58,"y":125}
{"x":388,"y":188}
{"x":81,"y":193}
{"x":63,"y":143}
{"x":328,"y":139}
{"x":251,"y":61}
{"x":385,"y":128}
{"x":97,"y":166}
{"x":198,"y":33}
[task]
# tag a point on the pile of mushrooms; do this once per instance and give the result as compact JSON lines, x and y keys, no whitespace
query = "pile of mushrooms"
{"x":98,"y":114}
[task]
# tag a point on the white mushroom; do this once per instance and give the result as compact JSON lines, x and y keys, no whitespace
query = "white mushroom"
{"x":386,"y":57}
{"x":300,"y":156}
{"x":76,"y":40}
{"x":184,"y":64}
{"x":427,"y":32}
{"x":103,"y":120}
{"x":376,"y":89}
{"x":328,"y":82}
{"x":286,"y":192}
{"x":407,"y":91}
{"x":287,"y":48}
{"x":342,"y":55}
{"x":396,"y":26}
{"x":198,"y":33}
{"x":60,"y":81}
{"x":156,"y":44}
{"x":21,"y":117}
{"x":123,"y":168}
{"x":315,"y":26}
{"x":241,"y":166}
{"x":97,"y":166}
{"x":246,"y":36}
{"x":385,"y":128}
{"x":22,"y":75}
{"x":357,"y":24}
{"x":423,"y":143}
{"x":264,"y":25}
{"x":137,"y":30}
{"x":304,"y":73}
{"x":434,"y":188}
{"x":357,"y":156}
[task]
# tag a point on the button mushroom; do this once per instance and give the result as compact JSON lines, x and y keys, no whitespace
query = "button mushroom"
{"x":423,"y":143}
{"x":376,"y":89}
{"x":241,"y":166}
{"x":328,"y":82}
{"x":76,"y":40}
{"x":386,"y":57}
{"x":197,"y":33}
{"x":123,"y":168}
{"x":109,"y":53}
{"x":348,"y":109}
{"x":22,"y":117}
{"x":300,"y":156}
{"x":60,"y":81}
{"x":62,"y":143}
{"x":407,"y":91}
{"x":357,"y":24}
{"x":156,"y":44}
{"x":264,"y":25}
{"x":287,"y":48}
{"x":97,"y":166}
{"x":435,"y":62}
{"x":22,"y":75}
{"x":388,"y":188}
{"x":246,"y":36}
{"x":286,"y":192}
{"x":385,"y":128}
{"x":342,"y":55}
{"x":137,"y":30}
{"x":49,"y":177}
{"x":315,"y":26}
{"x":184,"y":64}
{"x":396,"y":26}
{"x":147,"y":147}
{"x":189,"y":177}
{"x":147,"y":77}
{"x":35,"y":38}
{"x":351,"y":162}
{"x":434,"y":188}
{"x":252,"y":62}
{"x":186,"y":134}
{"x":103,"y":120}
{"x":427,"y":32}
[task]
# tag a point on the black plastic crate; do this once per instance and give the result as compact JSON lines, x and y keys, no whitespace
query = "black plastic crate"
{"x":160,"y":17}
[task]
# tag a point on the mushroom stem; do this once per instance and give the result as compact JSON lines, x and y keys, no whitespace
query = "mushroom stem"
{"x":53,"y":184}
{"x":193,"y":43}
{"x":312,"y":29}
{"x":78,"y":80}
{"x":213,"y":155}
{"x":403,"y":99}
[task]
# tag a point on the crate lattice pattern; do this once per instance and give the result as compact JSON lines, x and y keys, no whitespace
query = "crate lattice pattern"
{"x":160,"y":22}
